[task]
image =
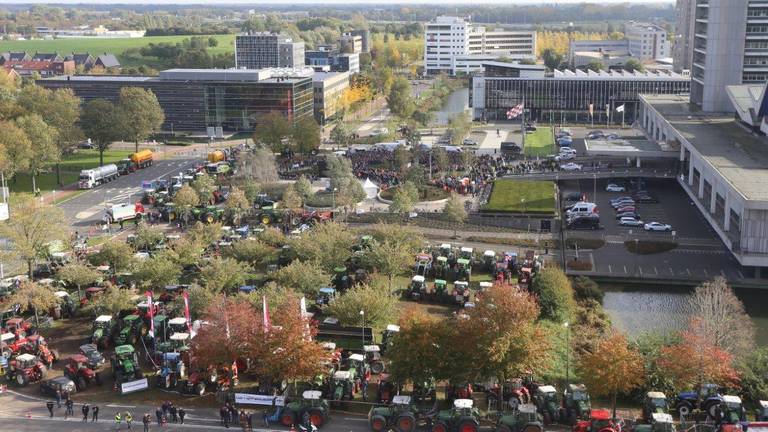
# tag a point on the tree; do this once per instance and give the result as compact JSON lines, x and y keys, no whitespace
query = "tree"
{"x":752,"y":370}
{"x":340,"y":134}
{"x":205,"y":234}
{"x":230,"y":326}
{"x":199,"y":299}
{"x":555,"y":294}
{"x":595,"y":65}
{"x":612,"y":369}
{"x":721,"y":317}
{"x":185,"y":199}
{"x":44,"y":151}
{"x":306,"y":136}
{"x":404,"y":237}
{"x":253,"y":252}
{"x":271,"y":129}
{"x":31,"y":295}
{"x":551,"y":58}
{"x":113,"y":300}
{"x":376,"y":302}
{"x":329,"y":244}
{"x":440,"y":157}
{"x":15,"y":149}
{"x":205,"y":186}
{"x":389,"y":258}
{"x":460,"y":125}
{"x":185,"y":252}
{"x":139,"y":113}
{"x":400,"y":158}
{"x":292,"y":201}
{"x":33,"y":228}
{"x":415,"y":353}
{"x":585,"y":288}
{"x":147,"y":237}
{"x":116,"y":254}
{"x":304,"y":277}
{"x":304,"y":187}
{"x":157,"y":272}
{"x":78,"y":274}
{"x":455,"y":212}
{"x":256,"y":167}
{"x":399,"y":98}
{"x":224,"y":274}
{"x":237,"y":204}
{"x":402,"y":202}
{"x":101,"y":123}
{"x":633,"y":65}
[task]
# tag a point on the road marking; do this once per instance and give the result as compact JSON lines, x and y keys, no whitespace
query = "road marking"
{"x":120,"y":406}
{"x":655,"y":270}
{"x":609,"y":269}
{"x":625,"y":269}
{"x":26,"y":396}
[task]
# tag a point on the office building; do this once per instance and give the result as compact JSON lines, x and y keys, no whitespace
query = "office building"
{"x":350,"y":43}
{"x":620,"y":47}
{"x":365,"y":39}
{"x":332,"y":61}
{"x":196,"y":99}
{"x":647,"y":41}
{"x":454,"y":45}
{"x":565,"y":96}
{"x":329,"y":88}
{"x":729,"y":48}
{"x":267,"y":50}
{"x":682,"y":48}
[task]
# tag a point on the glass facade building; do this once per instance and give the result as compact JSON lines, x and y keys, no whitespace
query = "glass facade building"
{"x":194,"y":100}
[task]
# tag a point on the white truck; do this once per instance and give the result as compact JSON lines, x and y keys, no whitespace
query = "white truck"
{"x":91,"y":178}
{"x":123,"y":212}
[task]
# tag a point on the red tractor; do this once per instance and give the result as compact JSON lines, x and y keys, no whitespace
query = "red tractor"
{"x":513,"y":393}
{"x":77,"y":370}
{"x":90,"y":294}
{"x":17,"y":325}
{"x":599,"y":421}
{"x":26,"y":368}
{"x":36,"y":345}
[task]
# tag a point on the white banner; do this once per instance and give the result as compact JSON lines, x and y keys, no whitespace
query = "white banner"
{"x":255,"y":399}
{"x":4,"y":215}
{"x":134,"y":386}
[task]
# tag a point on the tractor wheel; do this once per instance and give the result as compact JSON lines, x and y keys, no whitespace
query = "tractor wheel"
{"x":406,"y":422}
{"x":503,"y":428}
{"x":43,"y":372}
{"x":171,"y":216}
{"x":81,"y":384}
{"x":532,"y":427}
{"x":97,"y":378}
{"x":684,"y":409}
{"x":22,"y":379}
{"x":316,"y":417}
{"x":200,"y":389}
{"x":209,"y":218}
{"x":467,"y":425}
{"x":377,"y":367}
{"x":265,"y":218}
{"x":440,"y":427}
{"x":493,"y":401}
{"x":286,"y":418}
{"x":711,"y":409}
{"x":378,"y":423}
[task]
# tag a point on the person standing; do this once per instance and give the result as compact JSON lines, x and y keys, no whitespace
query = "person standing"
{"x":95,"y":414}
{"x":69,"y":405}
{"x":173,"y":411}
{"x":159,"y":415}
{"x":58,"y":398}
{"x":86,"y":409}
{"x":128,"y":419}
{"x":182,"y":414}
{"x":118,"y":420}
{"x":49,"y":405}
{"x":224,"y":413}
{"x":265,"y":417}
{"x":147,"y":419}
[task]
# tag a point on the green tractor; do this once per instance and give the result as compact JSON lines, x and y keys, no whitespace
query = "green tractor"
{"x":576,"y":403}
{"x":388,"y":336}
{"x":169,"y":212}
{"x":654,"y":402}
{"x":489,"y":260}
{"x":129,"y":330}
{"x":463,"y":269}
{"x":400,"y":416}
{"x":208,"y":214}
{"x":341,"y":279}
{"x":547,"y":403}
{"x":441,"y":289}
{"x":103,"y":328}
{"x":269,"y":214}
{"x":343,"y":385}
{"x":524,"y":419}
{"x":417,"y":289}
{"x":310,"y":403}
{"x":441,"y":267}
{"x":373,"y":358}
{"x":463,"y":417}
{"x":125,"y":364}
{"x":659,"y":422}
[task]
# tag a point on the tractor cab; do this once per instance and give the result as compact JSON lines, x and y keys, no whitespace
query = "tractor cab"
{"x":179,"y":341}
{"x":125,"y":364}
{"x":324,"y":296}
{"x":463,"y":268}
{"x":356,"y":364}
{"x":6,"y":339}
{"x":599,"y":421}
{"x":130,"y":329}
{"x":762,"y":411}
{"x":733,"y":410}
{"x":576,"y":403}
{"x":489,"y":259}
{"x":311,"y":406}
{"x":387,"y":335}
{"x":17,"y":326}
{"x":441,"y":268}
{"x":654,"y":402}
{"x":90,"y":294}
{"x":485,"y":286}
{"x":441,"y":288}
{"x":462,"y":417}
{"x":102,"y":329}
{"x":524,"y":277}
{"x":524,"y":419}
{"x":66,"y":303}
{"x":172,"y":369}
{"x":466,"y":253}
{"x":659,"y":422}
{"x":461,"y":292}
{"x":177,"y":325}
{"x":144,"y":308}
{"x":423,"y":264}
{"x":91,"y":352}
{"x":171,"y":292}
{"x":373,"y":358}
{"x":341,"y":279}
{"x":547,"y":403}
{"x":386,"y":390}
{"x":418,"y":287}
{"x":343,"y":386}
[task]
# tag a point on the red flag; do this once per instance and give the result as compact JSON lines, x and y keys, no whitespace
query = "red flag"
{"x":150,"y":308}
{"x":234,"y":371}
{"x":265,"y":312}
{"x":186,"y":311}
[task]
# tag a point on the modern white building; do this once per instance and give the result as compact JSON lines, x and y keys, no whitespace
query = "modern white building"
{"x":647,"y":41}
{"x":597,"y":46}
{"x":682,"y":48}
{"x":453,"y":45}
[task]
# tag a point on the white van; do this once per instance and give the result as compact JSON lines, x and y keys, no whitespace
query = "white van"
{"x":582,"y":209}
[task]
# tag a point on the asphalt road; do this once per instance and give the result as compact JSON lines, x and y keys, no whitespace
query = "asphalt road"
{"x":87,"y":209}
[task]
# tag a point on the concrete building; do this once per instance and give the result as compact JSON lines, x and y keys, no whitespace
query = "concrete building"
{"x":647,"y":41}
{"x":609,"y":59}
{"x":351,"y":43}
{"x":267,"y":50}
{"x":597,"y":46}
{"x":724,"y":167}
{"x":730,"y":47}
{"x":682,"y":48}
{"x":196,"y":99}
{"x":332,"y":61}
{"x":329,"y":90}
{"x":453,"y":45}
{"x":365,"y":38}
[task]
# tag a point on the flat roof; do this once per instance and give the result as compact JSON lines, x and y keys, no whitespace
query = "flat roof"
{"x":514,"y":65}
{"x":633,"y":147}
{"x":737,"y":154}
{"x":272,"y":75}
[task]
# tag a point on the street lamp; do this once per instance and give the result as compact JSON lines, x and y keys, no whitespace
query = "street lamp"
{"x":362,"y":331}
{"x":567,"y":353}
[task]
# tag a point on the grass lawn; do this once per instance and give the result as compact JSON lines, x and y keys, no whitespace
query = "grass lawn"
{"x":508,"y":196}
{"x":96,"y":46}
{"x":539,"y":143}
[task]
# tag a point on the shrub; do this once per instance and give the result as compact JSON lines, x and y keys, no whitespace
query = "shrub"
{"x":585,"y":288}
{"x":649,"y":247}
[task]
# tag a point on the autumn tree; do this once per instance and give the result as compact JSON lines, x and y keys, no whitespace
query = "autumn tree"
{"x":375,"y":300}
{"x":224,"y":274}
{"x":303,"y":187}
{"x":116,"y":254}
{"x":63,"y":113}
{"x":555,"y":294}
{"x":455,"y":212}
{"x":147,"y":237}
{"x":721,"y":318}
{"x":157,"y":272}
{"x":405,"y":237}
{"x":304,"y":277}
{"x":252,"y":251}
{"x":256,"y":167}
{"x":388,"y":258}
{"x":139,"y":113}
{"x":112,"y":301}
{"x":205,"y":186}
{"x":15,"y":149}
{"x":100,"y":122}
{"x":613,"y":368}
{"x":227,"y":335}
{"x":45,"y":152}
{"x":237,"y":205}
{"x":78,"y":274}
{"x":329,"y":244}
{"x":199,"y":299}
{"x":340,"y":134}
{"x":205,"y":234}
{"x":31,"y":295}
{"x":271,"y":129}
{"x":185,"y":252}
{"x":415,"y":353}
{"x":402,"y":202}
{"x":305,"y":135}
{"x":185,"y":200}
{"x":399,"y":98}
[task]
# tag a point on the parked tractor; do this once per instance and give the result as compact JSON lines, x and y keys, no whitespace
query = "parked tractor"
{"x":463,"y":269}
{"x":511,"y":394}
{"x":731,"y":411}
{"x":172,"y":370}
{"x":103,"y":327}
{"x":341,"y":279}
{"x":387,"y":337}
{"x":659,"y":422}
{"x":373,"y":358}
{"x":461,"y":418}
{"x":424,"y":392}
{"x":489,"y":260}
{"x":706,"y":399}
{"x":400,"y":415}
{"x":78,"y":370}
{"x":343,"y":385}
{"x":654,"y":402}
{"x":467,"y":253}
{"x":310,"y":403}
{"x":125,"y":364}
{"x":761,"y":414}
{"x":90,"y":294}
{"x":441,"y":289}
{"x":461,"y":292}
{"x":524,"y":419}
{"x":130,"y":330}
{"x":576,"y":404}
{"x":91,"y":352}
{"x":26,"y":368}
{"x":442,"y":267}
{"x":418,"y":288}
{"x":37,"y":346}
{"x":599,"y":421}
{"x":423,"y":264}
{"x":386,"y":389}
{"x":324,"y":296}
{"x":547,"y":403}
{"x":197,"y":382}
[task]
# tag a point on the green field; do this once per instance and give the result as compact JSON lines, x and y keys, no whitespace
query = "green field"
{"x":539,"y":143}
{"x":96,"y":46}
{"x":71,"y":166}
{"x":508,"y":196}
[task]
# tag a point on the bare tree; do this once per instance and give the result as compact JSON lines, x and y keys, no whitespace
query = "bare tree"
{"x":721,"y":318}
{"x":259,"y":166}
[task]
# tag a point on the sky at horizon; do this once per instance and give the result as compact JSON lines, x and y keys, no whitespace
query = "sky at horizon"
{"x":335,"y":2}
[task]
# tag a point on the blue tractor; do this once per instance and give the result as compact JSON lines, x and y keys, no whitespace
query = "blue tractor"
{"x":707,"y":399}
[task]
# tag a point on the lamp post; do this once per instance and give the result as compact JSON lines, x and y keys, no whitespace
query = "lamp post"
{"x":567,"y":353}
{"x":362,"y":331}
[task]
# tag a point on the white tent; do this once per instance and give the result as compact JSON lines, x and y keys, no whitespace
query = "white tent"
{"x":370,"y":188}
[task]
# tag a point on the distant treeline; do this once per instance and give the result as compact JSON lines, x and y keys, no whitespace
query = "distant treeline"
{"x":184,"y":31}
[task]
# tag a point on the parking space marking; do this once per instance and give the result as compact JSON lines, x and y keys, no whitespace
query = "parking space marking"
{"x":625,"y":269}
{"x":655,"y":270}
{"x":688,"y":270}
{"x":609,"y":269}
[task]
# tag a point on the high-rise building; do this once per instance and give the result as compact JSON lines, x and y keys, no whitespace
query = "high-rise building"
{"x":365,"y":36}
{"x":267,"y":50}
{"x":647,"y":41}
{"x":730,"y":47}
{"x":682,"y":50}
{"x":454,"y":45}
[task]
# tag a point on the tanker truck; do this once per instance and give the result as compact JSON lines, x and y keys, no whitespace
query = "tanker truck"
{"x":142,"y":159}
{"x":91,"y":178}
{"x":216,"y":156}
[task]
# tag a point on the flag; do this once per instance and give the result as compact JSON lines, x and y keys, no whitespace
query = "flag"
{"x":608,"y":109}
{"x":515,"y":111}
{"x":591,"y":110}
{"x":265,"y":312}
{"x":234,"y":371}
{"x":185,"y":295}
{"x":620,"y":108}
{"x":151,"y":314}
{"x":303,"y":307}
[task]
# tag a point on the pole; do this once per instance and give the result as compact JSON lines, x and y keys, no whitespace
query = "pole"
{"x":567,"y":354}
{"x":622,"y":117}
{"x":594,"y":185}
{"x":522,"y":121}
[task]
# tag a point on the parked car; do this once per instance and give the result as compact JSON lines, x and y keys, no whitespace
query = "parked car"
{"x":469,"y":142}
{"x":567,"y":150}
{"x":572,"y":196}
{"x":570,"y":166}
{"x":582,"y":209}
{"x":61,"y":383}
{"x":645,"y":199}
{"x":591,"y":222}
{"x":564,"y":141}
{"x":565,"y":157}
{"x":612,"y":137}
{"x":633,"y":215}
{"x":597,"y":134}
{"x":613,"y":200}
{"x":657,"y":226}
{"x":626,"y":209}
{"x":613,"y":187}
{"x":622,"y":203}
{"x":630,"y":221}
{"x":86,"y":144}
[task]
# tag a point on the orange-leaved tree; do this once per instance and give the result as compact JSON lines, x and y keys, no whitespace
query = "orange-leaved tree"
{"x":613,"y":367}
{"x":226,"y":333}
{"x":415,"y":353}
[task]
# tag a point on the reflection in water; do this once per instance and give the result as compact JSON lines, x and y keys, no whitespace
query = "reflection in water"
{"x":457,"y":102}
{"x":637,"y":309}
